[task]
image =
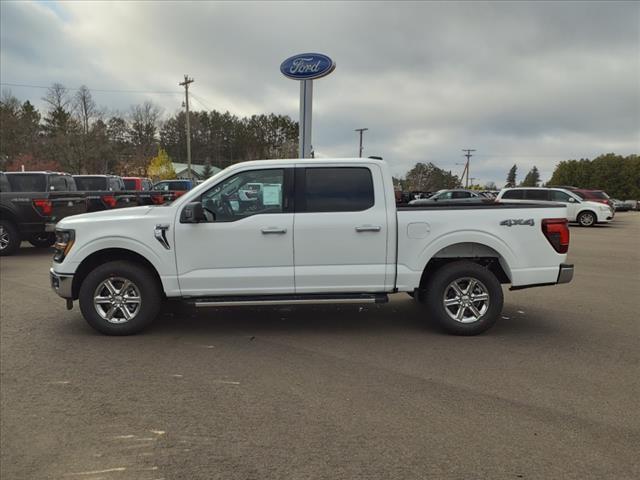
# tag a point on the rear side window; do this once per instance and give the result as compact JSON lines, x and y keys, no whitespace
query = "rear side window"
{"x":114,"y":184}
{"x":130,"y":184}
{"x":345,"y":189}
{"x":513,"y":194}
{"x":536,"y":194}
{"x":461,"y":195}
{"x":91,"y":183}
{"x":558,"y":196}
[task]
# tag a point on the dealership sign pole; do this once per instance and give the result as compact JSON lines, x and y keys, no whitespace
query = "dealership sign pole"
{"x":306,"y":67}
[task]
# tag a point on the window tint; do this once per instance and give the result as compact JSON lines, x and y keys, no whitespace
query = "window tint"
{"x":558,"y":196}
{"x":245,"y":194}
{"x":443,"y":196}
{"x":513,"y":194}
{"x":57,"y":183}
{"x":129,"y":184}
{"x":536,"y":194}
{"x":461,"y":195}
{"x":114,"y":184}
{"x":4,"y":184}
{"x":146,"y":185}
{"x":21,"y":182}
{"x":346,"y":189}
{"x":91,"y":183}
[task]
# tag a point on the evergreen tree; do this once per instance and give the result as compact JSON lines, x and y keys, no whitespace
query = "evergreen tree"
{"x":532,"y":179}
{"x":511,"y":177}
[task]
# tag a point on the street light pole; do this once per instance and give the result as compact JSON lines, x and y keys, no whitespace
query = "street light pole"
{"x":361,"y":130}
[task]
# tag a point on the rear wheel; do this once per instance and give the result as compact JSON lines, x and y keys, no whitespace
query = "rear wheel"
{"x":587,"y":219}
{"x":120,"y":298}
{"x":464,"y":298}
{"x":43,"y":240}
{"x":9,"y":238}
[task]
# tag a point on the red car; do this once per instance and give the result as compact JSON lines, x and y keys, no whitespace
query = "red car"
{"x":593,"y":196}
{"x":137,"y":183}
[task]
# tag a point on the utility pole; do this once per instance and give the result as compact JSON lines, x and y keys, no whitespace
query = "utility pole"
{"x":185,"y":84}
{"x":361,"y":130}
{"x":466,"y":168}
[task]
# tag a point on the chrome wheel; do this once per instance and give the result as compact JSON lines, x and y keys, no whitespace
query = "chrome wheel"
{"x":4,"y":238}
{"x":587,"y":219}
{"x":117,"y":300}
{"x":466,"y":300}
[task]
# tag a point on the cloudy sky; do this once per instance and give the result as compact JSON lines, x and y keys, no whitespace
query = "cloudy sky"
{"x":525,"y":83}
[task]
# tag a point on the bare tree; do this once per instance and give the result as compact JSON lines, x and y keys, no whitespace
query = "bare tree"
{"x":57,"y":96}
{"x":144,"y":123}
{"x":85,"y":107}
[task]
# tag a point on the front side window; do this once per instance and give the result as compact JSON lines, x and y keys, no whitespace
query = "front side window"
{"x":162,"y":186}
{"x":57,"y":183}
{"x":558,"y":196}
{"x":444,"y":196}
{"x":343,"y":189}
{"x":244,"y":194}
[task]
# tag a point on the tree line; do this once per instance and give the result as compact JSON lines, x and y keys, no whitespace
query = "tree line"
{"x":617,"y":175}
{"x":74,"y":135}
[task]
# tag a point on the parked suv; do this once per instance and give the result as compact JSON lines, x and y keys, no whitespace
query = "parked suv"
{"x":456,"y":196}
{"x":585,"y":212}
{"x":593,"y":196}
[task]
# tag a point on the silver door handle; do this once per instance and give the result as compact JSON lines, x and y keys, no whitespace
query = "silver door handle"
{"x":268,"y":230}
{"x":368,"y":228}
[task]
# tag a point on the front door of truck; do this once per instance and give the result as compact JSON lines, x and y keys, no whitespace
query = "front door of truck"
{"x":340,"y":230}
{"x":245,"y":247}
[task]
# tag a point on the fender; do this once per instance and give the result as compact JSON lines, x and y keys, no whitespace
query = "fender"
{"x":468,"y":236}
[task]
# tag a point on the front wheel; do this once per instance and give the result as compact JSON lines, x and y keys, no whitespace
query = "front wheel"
{"x":464,"y":298}
{"x":587,"y":219}
{"x":43,"y":240}
{"x":120,"y":298}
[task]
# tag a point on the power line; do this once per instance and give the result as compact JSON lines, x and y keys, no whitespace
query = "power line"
{"x":101,"y":90}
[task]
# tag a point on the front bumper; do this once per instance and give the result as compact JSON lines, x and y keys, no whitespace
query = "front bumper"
{"x":62,"y":284}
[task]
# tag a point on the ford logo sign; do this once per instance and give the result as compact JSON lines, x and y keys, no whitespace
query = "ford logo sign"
{"x":307,"y":66}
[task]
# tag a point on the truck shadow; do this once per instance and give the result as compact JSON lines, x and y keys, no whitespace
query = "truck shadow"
{"x":398,"y":316}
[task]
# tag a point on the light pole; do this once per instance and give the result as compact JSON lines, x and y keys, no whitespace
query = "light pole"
{"x":361,"y":130}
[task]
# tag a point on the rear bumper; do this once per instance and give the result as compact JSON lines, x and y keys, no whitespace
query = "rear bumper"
{"x":61,"y":283}
{"x":566,"y":273}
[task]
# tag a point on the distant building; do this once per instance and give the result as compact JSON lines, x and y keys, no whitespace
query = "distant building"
{"x":182,"y":171}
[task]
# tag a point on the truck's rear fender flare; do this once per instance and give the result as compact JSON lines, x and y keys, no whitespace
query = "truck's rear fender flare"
{"x":470,"y":238}
{"x":116,"y":248}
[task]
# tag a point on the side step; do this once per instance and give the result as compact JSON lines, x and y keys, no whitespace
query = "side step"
{"x":309,"y":299}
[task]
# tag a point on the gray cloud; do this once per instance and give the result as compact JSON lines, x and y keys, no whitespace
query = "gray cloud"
{"x":526,"y":83}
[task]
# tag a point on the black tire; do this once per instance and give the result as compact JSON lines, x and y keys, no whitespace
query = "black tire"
{"x":43,"y":240}
{"x":587,"y":219}
{"x":146,"y":285}
{"x":9,"y":238}
{"x":440,"y":284}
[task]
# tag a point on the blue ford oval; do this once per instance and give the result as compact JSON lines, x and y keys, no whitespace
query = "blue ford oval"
{"x":307,"y":66}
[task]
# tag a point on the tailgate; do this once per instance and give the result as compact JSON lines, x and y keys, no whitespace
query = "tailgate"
{"x":64,"y":204}
{"x":126,"y":199}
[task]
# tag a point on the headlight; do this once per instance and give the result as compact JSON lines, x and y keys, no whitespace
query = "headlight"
{"x":64,"y":242}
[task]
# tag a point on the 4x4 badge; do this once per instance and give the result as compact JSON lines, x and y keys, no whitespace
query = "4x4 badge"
{"x":517,"y":221}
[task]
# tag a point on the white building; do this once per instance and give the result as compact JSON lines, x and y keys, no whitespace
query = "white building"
{"x":182,"y":171}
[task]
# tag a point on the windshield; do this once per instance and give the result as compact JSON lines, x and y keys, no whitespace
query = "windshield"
{"x":91,"y":183}
{"x":27,"y":182}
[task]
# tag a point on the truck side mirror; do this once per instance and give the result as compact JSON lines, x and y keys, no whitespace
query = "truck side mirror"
{"x":192,"y":213}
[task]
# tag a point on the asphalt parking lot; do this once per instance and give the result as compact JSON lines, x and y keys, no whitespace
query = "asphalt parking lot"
{"x":330,"y":392}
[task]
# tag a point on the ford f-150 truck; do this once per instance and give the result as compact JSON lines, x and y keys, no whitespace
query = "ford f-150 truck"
{"x":30,"y":205}
{"x":317,"y":231}
{"x":104,"y":192}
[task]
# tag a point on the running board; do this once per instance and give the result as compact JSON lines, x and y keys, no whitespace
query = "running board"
{"x":310,"y":299}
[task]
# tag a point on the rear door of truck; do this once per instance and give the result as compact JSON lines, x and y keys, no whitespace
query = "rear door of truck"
{"x":340,"y":232}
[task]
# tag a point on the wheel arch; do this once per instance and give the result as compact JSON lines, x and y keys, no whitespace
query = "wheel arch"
{"x":109,"y":255}
{"x":476,"y":252}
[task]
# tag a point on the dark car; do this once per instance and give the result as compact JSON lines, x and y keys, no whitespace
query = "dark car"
{"x":104,"y":192}
{"x":172,"y":189}
{"x":31,"y":203}
{"x":593,"y":196}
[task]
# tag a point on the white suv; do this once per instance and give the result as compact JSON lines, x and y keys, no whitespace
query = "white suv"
{"x":584,"y":212}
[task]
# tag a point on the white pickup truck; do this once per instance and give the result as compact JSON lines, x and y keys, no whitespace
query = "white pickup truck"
{"x":312,"y":231}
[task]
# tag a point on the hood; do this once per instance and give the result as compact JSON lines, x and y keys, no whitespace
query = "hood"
{"x":596,"y":204}
{"x":130,"y":213}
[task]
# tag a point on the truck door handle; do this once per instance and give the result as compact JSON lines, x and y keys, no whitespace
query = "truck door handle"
{"x":269,"y":230}
{"x":368,"y":228}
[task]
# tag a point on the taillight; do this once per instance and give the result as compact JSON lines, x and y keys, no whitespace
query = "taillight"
{"x":179,"y":193}
{"x":44,"y":207}
{"x":157,"y":199}
{"x":109,"y":200}
{"x":557,"y":232}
